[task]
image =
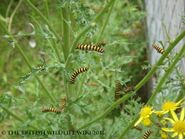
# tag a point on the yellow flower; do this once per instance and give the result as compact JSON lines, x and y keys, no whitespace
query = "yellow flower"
{"x":178,"y":125}
{"x":146,"y":122}
{"x":163,"y":135}
{"x":145,"y":113}
{"x":159,"y":113}
{"x":171,"y":106}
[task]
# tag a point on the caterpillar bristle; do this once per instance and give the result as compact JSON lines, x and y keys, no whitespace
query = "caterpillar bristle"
{"x":76,"y":73}
{"x":90,"y":47}
{"x":158,"y":48}
{"x":147,"y":134}
{"x":51,"y":110}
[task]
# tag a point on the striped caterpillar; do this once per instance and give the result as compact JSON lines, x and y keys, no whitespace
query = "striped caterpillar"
{"x":51,"y":110}
{"x":119,"y":87}
{"x":76,"y":73}
{"x":158,"y":49}
{"x":118,"y":94}
{"x":90,"y":47}
{"x":118,"y":90}
{"x":147,"y":134}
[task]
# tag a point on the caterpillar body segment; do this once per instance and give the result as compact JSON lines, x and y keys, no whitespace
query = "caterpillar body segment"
{"x":118,"y":90}
{"x":158,"y":48}
{"x":146,"y":134}
{"x":90,"y":47}
{"x":76,"y":73}
{"x":51,"y":110}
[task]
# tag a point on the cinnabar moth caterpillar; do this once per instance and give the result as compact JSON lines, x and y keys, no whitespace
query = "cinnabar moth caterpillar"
{"x":90,"y":47}
{"x":51,"y":110}
{"x":158,"y":48}
{"x":119,"y":87}
{"x":76,"y":73}
{"x":118,"y":90}
{"x":147,"y":134}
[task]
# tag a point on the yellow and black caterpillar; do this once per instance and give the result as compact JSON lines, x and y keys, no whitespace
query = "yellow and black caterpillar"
{"x":76,"y":73}
{"x":90,"y":47}
{"x":51,"y":110}
{"x":158,"y":48}
{"x":119,"y":88}
{"x":147,"y":134}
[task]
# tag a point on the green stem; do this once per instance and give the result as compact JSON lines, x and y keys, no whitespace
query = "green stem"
{"x":3,"y":19}
{"x":106,"y":21}
{"x":85,"y":30}
{"x":22,"y":53}
{"x":128,"y":127}
{"x":100,"y":82}
{"x":75,"y":43}
{"x":46,"y":8}
{"x":29,"y":65}
{"x":14,"y":115}
{"x":12,"y":16}
{"x":65,"y":17}
{"x":8,"y":9}
{"x":158,"y":87}
{"x":154,"y":68}
{"x":167,"y":74}
{"x":3,"y":26}
{"x":181,"y":78}
{"x":103,"y":11}
{"x":108,"y":110}
{"x":66,"y":31}
{"x":47,"y":22}
{"x":54,"y":46}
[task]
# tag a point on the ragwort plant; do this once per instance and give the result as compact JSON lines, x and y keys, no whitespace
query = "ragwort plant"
{"x":80,"y":104}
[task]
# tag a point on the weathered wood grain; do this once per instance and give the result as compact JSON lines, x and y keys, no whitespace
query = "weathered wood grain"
{"x":163,"y":14}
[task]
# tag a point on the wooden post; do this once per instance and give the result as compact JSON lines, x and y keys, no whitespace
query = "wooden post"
{"x":164,"y":15}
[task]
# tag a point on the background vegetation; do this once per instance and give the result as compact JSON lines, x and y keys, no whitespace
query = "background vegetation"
{"x":44,"y":34}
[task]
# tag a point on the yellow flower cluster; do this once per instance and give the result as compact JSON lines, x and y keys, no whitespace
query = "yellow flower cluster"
{"x":145,"y":114}
{"x":167,"y":116}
